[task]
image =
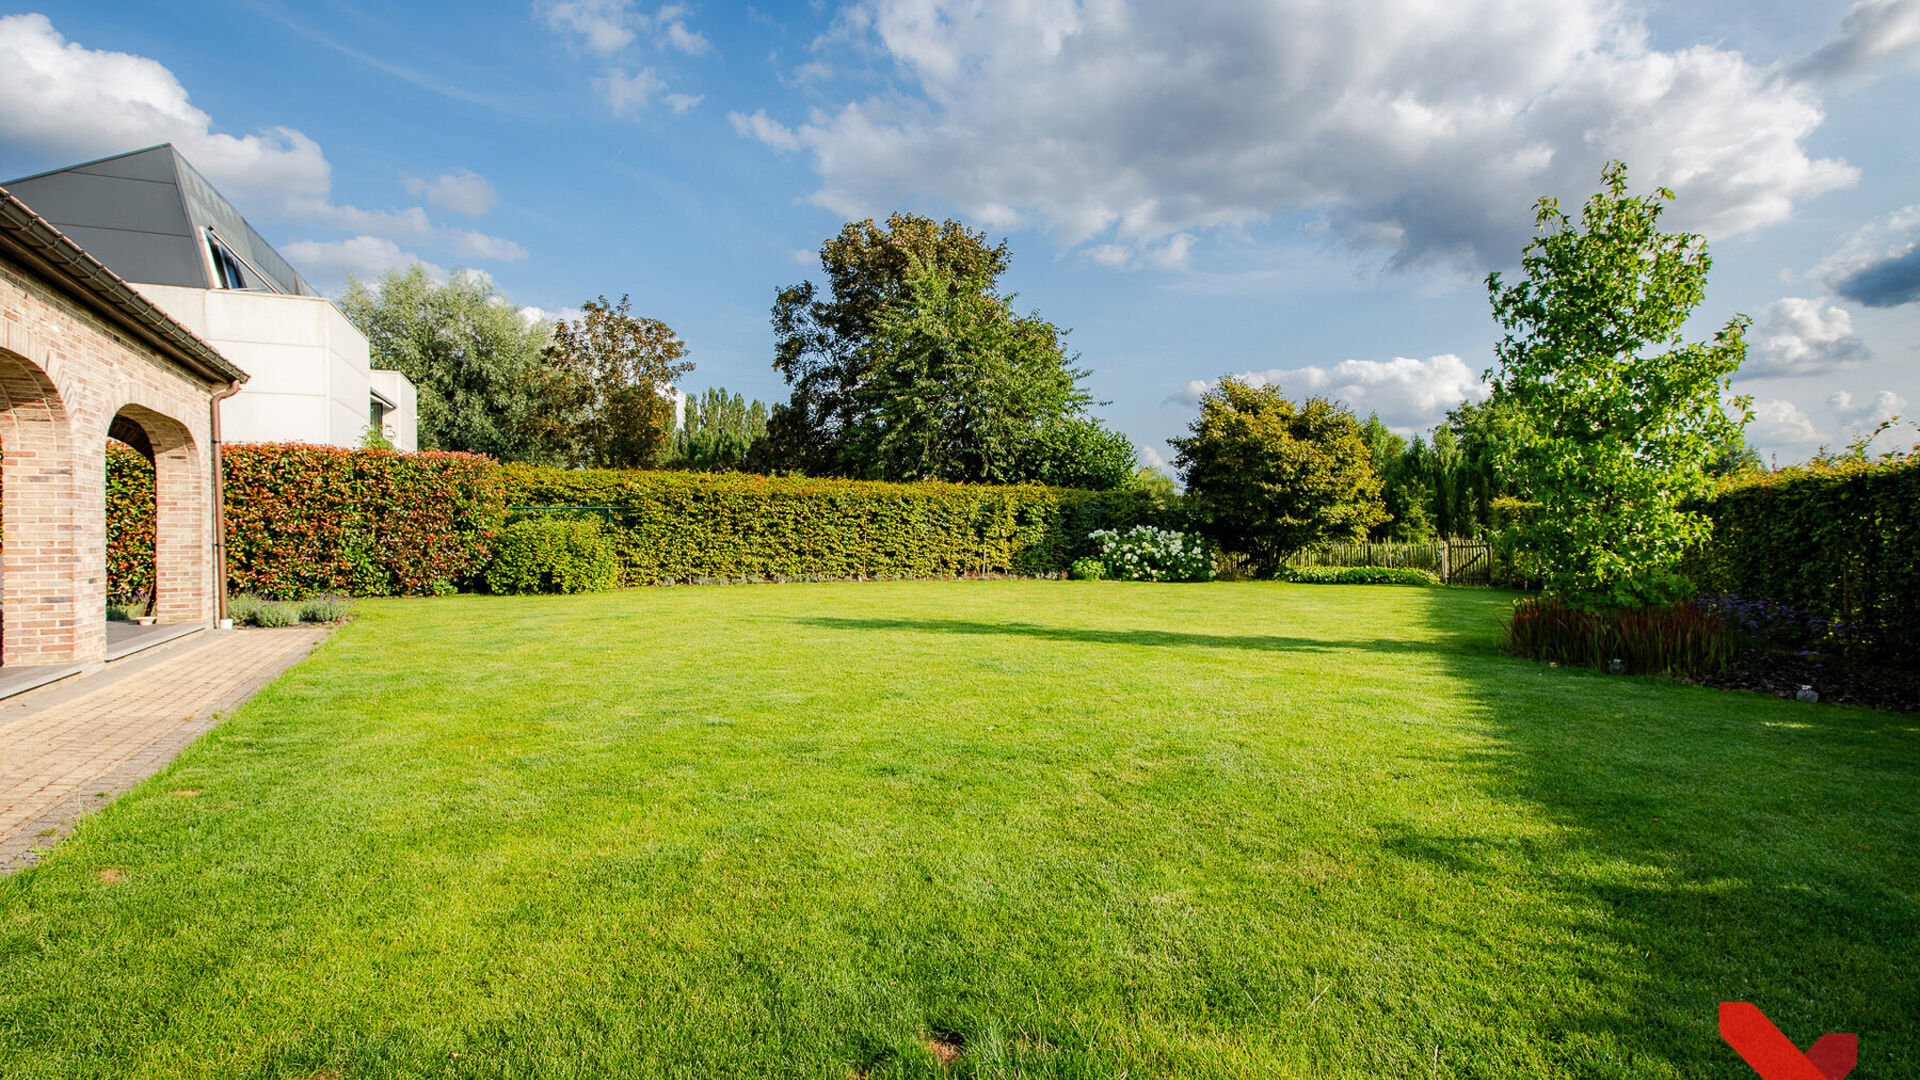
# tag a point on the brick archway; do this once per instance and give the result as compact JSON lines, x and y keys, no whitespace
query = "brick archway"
{"x":182,"y":552}
{"x":82,"y":352}
{"x":41,"y":591}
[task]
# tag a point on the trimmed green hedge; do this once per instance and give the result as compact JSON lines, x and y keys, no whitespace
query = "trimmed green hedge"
{"x":552,"y":555}
{"x":694,"y":527}
{"x":309,"y":520}
{"x":305,"y":520}
{"x":1841,"y":542}
{"x":1356,"y":575}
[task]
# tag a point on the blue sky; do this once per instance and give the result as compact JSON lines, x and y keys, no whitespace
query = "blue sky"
{"x":1304,"y":191}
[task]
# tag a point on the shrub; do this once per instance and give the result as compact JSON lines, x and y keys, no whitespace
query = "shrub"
{"x":1357,"y":575}
{"x":1087,"y":570}
{"x":275,"y":614}
{"x":325,"y":609}
{"x":552,"y":555}
{"x":684,"y":527}
{"x":1144,"y":553}
{"x":1686,"y":639}
{"x":311,"y":520}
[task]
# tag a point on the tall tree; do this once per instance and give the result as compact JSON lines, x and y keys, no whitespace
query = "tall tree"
{"x":915,"y":365}
{"x":1621,"y":413}
{"x":469,"y":353}
{"x":1266,"y":477}
{"x":1405,"y":486}
{"x":718,"y":432}
{"x":957,"y":385}
{"x":821,"y":341}
{"x":605,"y":390}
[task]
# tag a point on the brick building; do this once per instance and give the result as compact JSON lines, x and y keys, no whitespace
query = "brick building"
{"x":83,"y":356}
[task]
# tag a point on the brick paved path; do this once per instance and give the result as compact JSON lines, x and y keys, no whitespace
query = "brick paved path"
{"x":69,"y":748}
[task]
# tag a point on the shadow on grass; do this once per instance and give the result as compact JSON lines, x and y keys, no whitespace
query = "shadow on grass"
{"x":1149,"y":638}
{"x":1713,"y":846}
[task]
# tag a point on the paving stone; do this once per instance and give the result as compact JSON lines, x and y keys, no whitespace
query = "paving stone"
{"x":115,"y":728}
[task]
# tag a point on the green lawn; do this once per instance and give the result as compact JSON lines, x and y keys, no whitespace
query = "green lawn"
{"x":1068,"y":829}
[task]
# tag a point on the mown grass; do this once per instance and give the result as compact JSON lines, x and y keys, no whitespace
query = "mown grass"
{"x":1068,"y":829}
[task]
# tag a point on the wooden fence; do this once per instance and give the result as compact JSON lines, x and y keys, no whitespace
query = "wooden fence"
{"x":1458,"y":562}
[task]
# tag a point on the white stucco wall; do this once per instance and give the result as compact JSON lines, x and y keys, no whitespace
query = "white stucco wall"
{"x":403,"y":422}
{"x":310,"y":379}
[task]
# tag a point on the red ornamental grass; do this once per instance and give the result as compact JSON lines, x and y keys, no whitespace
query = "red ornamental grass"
{"x":1684,"y":640}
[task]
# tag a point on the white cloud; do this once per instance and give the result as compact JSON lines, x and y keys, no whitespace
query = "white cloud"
{"x":1798,"y":336}
{"x":628,"y":94}
{"x":1152,"y":459}
{"x":1877,"y":264}
{"x":532,"y":314}
{"x":602,"y":26}
{"x":1409,"y":394}
{"x":1874,"y":35}
{"x":66,"y":100}
{"x":1427,"y":129}
{"x":1885,"y":405}
{"x":478,"y":245}
{"x":330,"y":262}
{"x":63,"y":98}
{"x":464,"y":192}
{"x":691,"y":42}
{"x":1781,"y":424}
{"x":683,"y":103}
{"x":760,"y":126}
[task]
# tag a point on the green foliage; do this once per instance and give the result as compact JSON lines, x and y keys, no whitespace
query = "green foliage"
{"x":1683,"y":639}
{"x":1836,"y":538}
{"x":602,"y":388}
{"x":273,"y":614}
{"x":130,"y":523}
{"x":326,"y":609}
{"x":1356,"y":575}
{"x":719,"y":432}
{"x":468,"y":352}
{"x":684,"y":527}
{"x":552,"y":555}
{"x":1613,"y":442}
{"x":916,"y":367}
{"x":1266,"y":477}
{"x":1157,"y":487}
{"x":312,"y":520}
{"x":1077,"y":452}
{"x":1087,"y":569}
{"x":822,"y":342}
{"x":1406,"y":484}
{"x":1146,"y":553}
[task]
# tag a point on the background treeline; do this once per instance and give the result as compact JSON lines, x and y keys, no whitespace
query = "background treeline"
{"x":910,"y":364}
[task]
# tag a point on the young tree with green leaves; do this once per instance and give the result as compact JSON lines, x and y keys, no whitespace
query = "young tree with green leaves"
{"x":604,"y":390}
{"x":1266,"y":477}
{"x":1619,"y":413}
{"x":468,"y":352}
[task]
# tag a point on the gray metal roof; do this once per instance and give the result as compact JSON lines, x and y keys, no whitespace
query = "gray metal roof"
{"x":30,"y":241}
{"x":149,"y":216}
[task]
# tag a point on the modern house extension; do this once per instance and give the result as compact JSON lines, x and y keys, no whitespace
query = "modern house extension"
{"x":153,"y":220}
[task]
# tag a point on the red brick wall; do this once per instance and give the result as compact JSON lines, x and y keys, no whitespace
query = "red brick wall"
{"x":64,"y":375}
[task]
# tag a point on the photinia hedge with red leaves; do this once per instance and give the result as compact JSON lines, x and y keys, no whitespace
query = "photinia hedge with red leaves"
{"x":304,"y":520}
{"x":129,"y":521}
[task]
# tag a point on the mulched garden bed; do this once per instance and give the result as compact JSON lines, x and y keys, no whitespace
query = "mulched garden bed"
{"x":1836,"y":680}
